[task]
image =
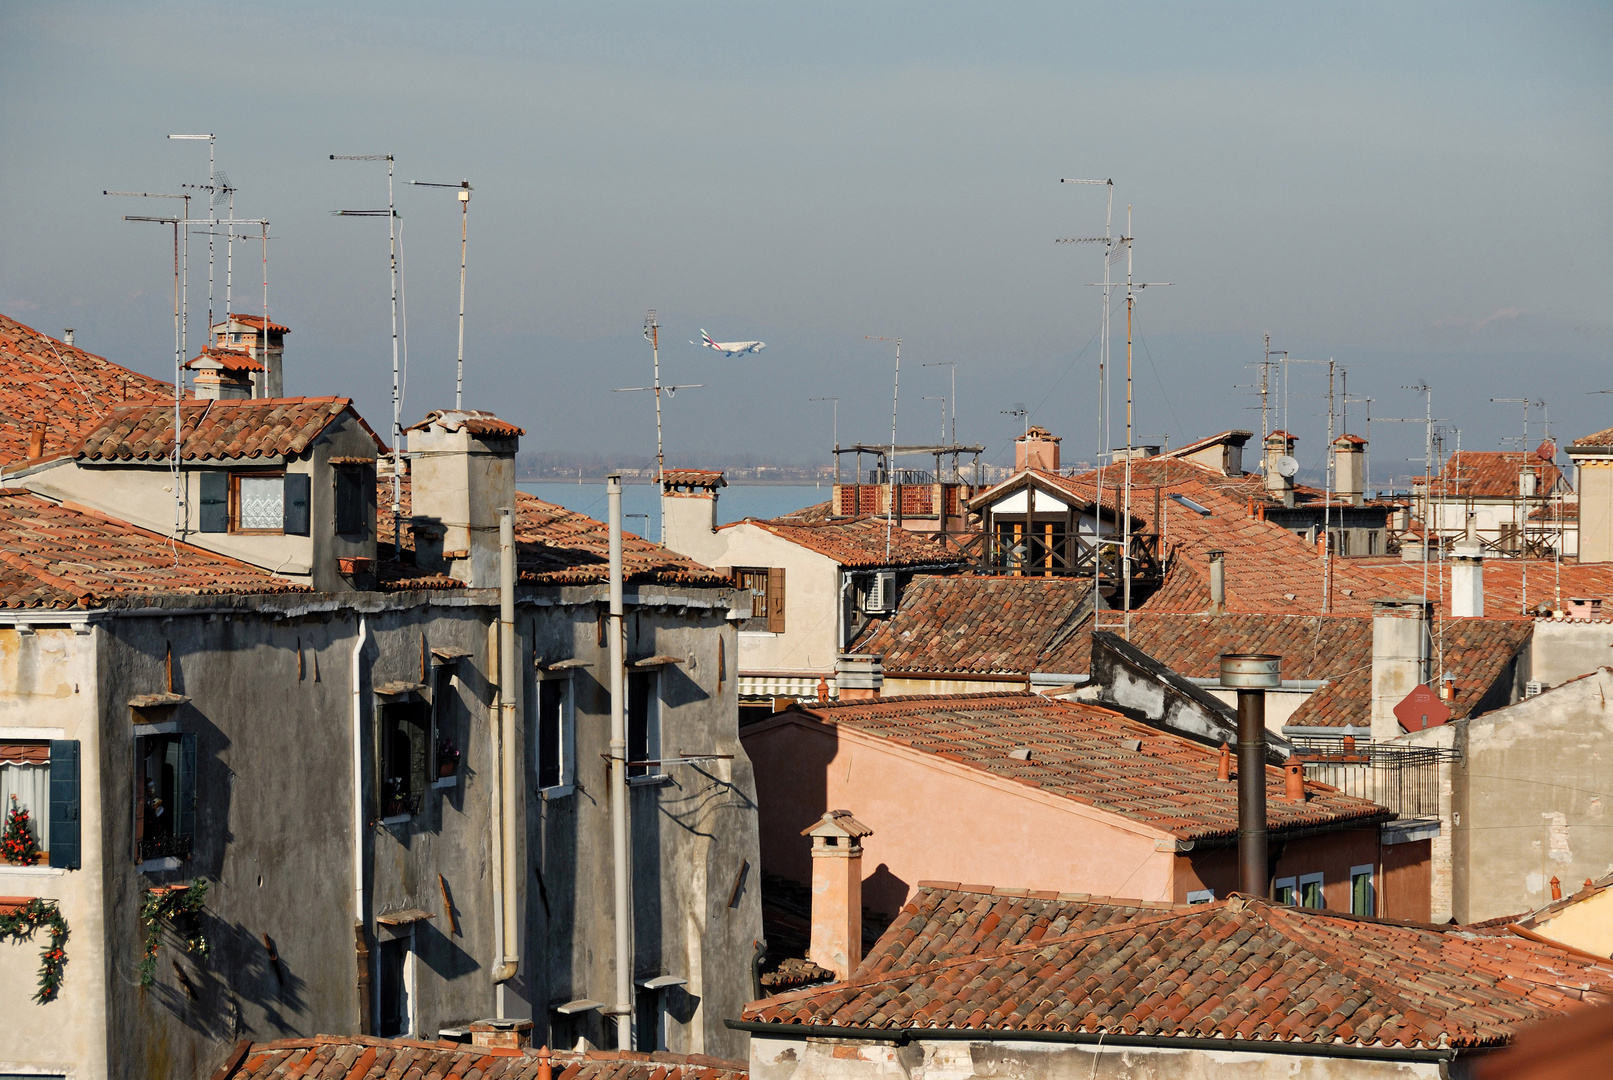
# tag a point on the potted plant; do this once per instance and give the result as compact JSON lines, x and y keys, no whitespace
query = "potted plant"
{"x":447,"y":759}
{"x":392,"y":804}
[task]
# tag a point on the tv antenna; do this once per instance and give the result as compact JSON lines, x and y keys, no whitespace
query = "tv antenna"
{"x":212,"y":215}
{"x":652,"y":334}
{"x":1111,"y":255}
{"x":1019,"y":412}
{"x":942,"y":398}
{"x":953,"y":364}
{"x":391,"y":215}
{"x":464,"y":189}
{"x":890,"y":463}
{"x":1525,"y":402}
{"x":835,"y":430}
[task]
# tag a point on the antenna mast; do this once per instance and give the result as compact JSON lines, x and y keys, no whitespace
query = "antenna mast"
{"x":652,"y":334}
{"x":835,"y":430}
{"x":464,"y":189}
{"x":890,"y":464}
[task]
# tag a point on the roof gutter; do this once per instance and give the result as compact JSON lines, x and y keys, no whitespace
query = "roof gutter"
{"x":902,"y":1036}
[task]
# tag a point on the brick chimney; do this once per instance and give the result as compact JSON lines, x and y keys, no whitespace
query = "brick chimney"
{"x":1399,"y":658}
{"x":462,"y":472}
{"x":501,"y":1034}
{"x":1218,"y":582}
{"x":1467,"y":574}
{"x":1349,"y":468}
{"x":689,"y":512}
{"x":1037,"y":449}
{"x":837,"y":892}
{"x":1278,"y":445}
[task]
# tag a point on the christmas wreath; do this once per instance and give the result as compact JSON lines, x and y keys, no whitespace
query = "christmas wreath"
{"x":180,"y":906}
{"x":22,"y":923}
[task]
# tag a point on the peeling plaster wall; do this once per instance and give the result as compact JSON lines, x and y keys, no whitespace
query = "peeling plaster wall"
{"x":48,"y":691}
{"x":824,"y":1059}
{"x":1565,"y":649}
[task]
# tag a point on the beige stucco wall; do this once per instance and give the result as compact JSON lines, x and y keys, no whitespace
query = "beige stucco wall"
{"x":940,"y":821}
{"x":1586,"y":925}
{"x":48,"y":691}
{"x":825,"y":1059}
{"x":811,"y":601}
{"x":1563,"y":649}
{"x":1595,"y":476}
{"x":1280,"y":705}
{"x":932,"y":687}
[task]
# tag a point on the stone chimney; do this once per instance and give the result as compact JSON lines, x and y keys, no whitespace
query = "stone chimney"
{"x":689,"y":512}
{"x":1218,"y":582}
{"x":1399,"y":658}
{"x":837,"y":892}
{"x":1037,"y":449}
{"x":1593,"y":478}
{"x":223,"y":374}
{"x":462,"y":471}
{"x":1278,"y":445}
{"x":266,"y":345}
{"x":1467,"y":574}
{"x":67,"y":335}
{"x":1349,"y":468}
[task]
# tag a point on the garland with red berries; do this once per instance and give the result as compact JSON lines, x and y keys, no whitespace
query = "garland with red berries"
{"x":179,"y":905}
{"x":22,"y":923}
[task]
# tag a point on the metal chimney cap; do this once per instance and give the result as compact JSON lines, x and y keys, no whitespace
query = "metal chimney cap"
{"x":1251,"y":670}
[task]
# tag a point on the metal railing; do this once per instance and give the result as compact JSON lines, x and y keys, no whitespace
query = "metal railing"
{"x":1406,"y":779}
{"x":164,"y":847}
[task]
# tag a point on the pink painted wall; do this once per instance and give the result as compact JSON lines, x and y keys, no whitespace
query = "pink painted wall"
{"x":938,"y":821}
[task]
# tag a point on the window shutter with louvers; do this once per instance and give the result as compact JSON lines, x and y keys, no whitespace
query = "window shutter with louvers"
{"x":775,"y":600}
{"x":215,"y":502}
{"x":65,"y":840}
{"x":296,"y":504}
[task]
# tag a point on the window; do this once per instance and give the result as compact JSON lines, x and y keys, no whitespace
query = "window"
{"x":401,"y":755}
{"x":1363,"y":901}
{"x":354,"y":486}
{"x":165,"y":796}
{"x":25,"y":776}
{"x":766,"y":588}
{"x":1201,"y":896}
{"x":649,"y":1024}
{"x":392,"y":988}
{"x":235,"y":339}
{"x":554,"y":734}
{"x":1283,"y":890}
{"x":643,"y":722}
{"x":239,"y":502}
{"x":445,"y":732}
{"x":1310,"y":891}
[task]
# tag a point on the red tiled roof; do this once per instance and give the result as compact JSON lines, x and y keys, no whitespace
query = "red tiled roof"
{"x":257,"y":321}
{"x":227,"y":359}
{"x":70,"y":388}
{"x":964,"y":623}
{"x":694,"y":477}
{"x":860,"y":543}
{"x":362,"y":1057}
{"x":1081,"y":752}
{"x":476,"y":421}
{"x":1235,"y":435}
{"x":553,"y":546}
{"x":1596,"y":438}
{"x":1489,"y":474}
{"x":1507,"y":582}
{"x":54,"y":556}
{"x":215,"y":430}
{"x":1239,"y":968}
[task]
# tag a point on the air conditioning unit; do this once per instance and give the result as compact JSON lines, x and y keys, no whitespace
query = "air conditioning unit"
{"x":881,"y":596}
{"x":1532,"y":688}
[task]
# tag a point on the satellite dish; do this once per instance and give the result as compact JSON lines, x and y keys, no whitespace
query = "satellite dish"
{"x":1287,"y":466}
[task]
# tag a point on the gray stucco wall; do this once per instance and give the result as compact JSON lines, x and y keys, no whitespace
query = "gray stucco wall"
{"x":274,"y":831}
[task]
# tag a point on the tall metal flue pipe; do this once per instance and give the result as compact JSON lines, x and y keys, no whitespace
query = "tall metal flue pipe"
{"x":1252,"y":674}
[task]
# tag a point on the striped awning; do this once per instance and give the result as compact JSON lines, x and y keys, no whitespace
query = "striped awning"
{"x":25,"y":753}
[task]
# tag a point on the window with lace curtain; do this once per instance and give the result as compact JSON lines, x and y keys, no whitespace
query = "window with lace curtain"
{"x":25,"y":773}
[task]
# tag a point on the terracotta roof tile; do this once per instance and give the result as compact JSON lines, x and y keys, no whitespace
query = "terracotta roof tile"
{"x":1241,"y":968}
{"x":362,"y":1057}
{"x":70,"y":388}
{"x":1081,"y":752}
{"x":1490,"y":474}
{"x":227,"y":359}
{"x":963,"y":623}
{"x":257,"y":321}
{"x":54,"y":556}
{"x":860,"y":543}
{"x":215,"y":430}
{"x":1597,"y":438}
{"x":476,"y":421}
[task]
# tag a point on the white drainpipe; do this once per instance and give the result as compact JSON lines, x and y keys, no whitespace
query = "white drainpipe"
{"x":622,"y":872}
{"x":358,"y":782}
{"x":508,"y":809}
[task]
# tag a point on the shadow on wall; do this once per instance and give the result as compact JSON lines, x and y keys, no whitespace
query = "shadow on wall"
{"x":883,"y":892}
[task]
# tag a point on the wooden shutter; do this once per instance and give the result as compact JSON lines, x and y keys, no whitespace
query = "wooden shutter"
{"x":775,"y":600}
{"x":350,"y":507}
{"x":185,"y":820}
{"x":296,"y":504}
{"x":65,"y":840}
{"x":215,"y":502}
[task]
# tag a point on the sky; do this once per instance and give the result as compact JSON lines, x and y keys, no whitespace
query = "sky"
{"x":1418,"y":193}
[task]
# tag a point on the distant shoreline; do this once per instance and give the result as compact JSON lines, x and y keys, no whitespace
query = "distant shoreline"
{"x":586,"y":480}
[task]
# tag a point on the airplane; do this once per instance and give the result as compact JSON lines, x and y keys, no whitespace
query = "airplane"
{"x":730,"y":348}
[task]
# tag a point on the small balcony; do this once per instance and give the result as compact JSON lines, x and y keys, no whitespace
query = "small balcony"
{"x":163,"y":847}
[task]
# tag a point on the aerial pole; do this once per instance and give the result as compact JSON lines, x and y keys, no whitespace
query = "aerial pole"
{"x":890,"y":463}
{"x":1132,"y":288}
{"x":953,"y":365}
{"x":834,"y":430}
{"x":652,"y":334}
{"x":464,"y":189}
{"x":212,"y":215}
{"x":1111,"y":253}
{"x":391,"y":215}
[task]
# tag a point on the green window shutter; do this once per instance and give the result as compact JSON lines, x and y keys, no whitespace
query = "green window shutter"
{"x":64,"y":804}
{"x":296,"y":503}
{"x":215,"y":504}
{"x":185,"y":822}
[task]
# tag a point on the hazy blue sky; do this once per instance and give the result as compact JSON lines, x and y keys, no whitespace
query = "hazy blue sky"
{"x":1420,"y":191}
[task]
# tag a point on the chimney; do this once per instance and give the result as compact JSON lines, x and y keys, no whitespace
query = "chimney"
{"x":36,"y":437}
{"x":1279,"y":458}
{"x":1294,"y":779}
{"x":1349,"y":468}
{"x":67,"y":335}
{"x":502,"y":1034}
{"x":1399,"y":658}
{"x":1467,"y":574}
{"x":1593,"y":479}
{"x":1527,"y":482}
{"x":837,"y":892}
{"x":1252,"y":674}
{"x":462,"y":472}
{"x":1037,"y":449}
{"x":1218,"y":582}
{"x":689,"y":512}
{"x":1556,"y":888}
{"x":1223,"y":765}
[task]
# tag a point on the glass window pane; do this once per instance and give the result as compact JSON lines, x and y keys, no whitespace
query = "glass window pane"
{"x":262,"y":502}
{"x":30,"y":783}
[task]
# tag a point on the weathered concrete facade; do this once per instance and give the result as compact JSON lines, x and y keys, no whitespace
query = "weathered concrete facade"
{"x":271,"y":702}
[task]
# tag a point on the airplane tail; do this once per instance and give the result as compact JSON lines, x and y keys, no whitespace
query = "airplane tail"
{"x":705,"y":339}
